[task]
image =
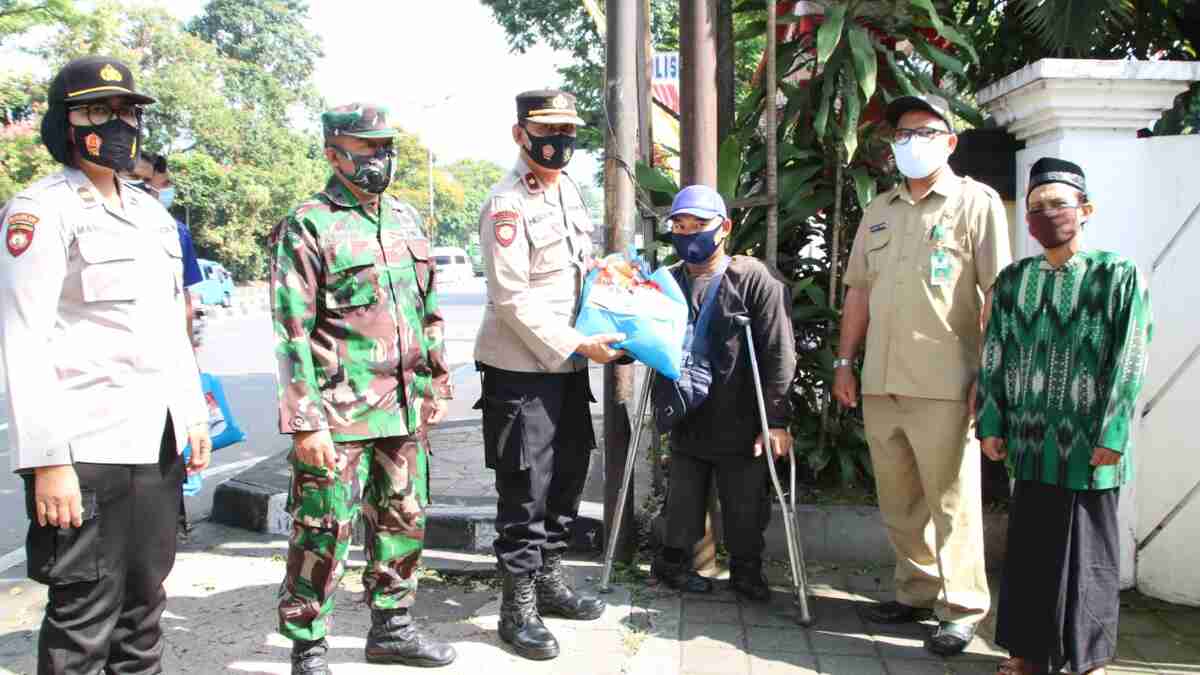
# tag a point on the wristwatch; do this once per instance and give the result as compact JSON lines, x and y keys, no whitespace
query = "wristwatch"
{"x":842,"y":363}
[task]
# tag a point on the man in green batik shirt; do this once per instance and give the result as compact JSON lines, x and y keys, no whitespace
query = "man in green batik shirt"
{"x":362,"y":373}
{"x":1063,"y":363}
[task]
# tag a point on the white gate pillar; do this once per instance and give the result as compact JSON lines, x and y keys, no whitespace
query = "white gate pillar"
{"x":1089,"y":112}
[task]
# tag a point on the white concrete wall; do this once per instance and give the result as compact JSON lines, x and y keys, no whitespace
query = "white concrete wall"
{"x":1144,"y":190}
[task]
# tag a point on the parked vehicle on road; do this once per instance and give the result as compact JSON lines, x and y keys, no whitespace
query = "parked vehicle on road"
{"x":453,"y":265}
{"x":217,"y":286}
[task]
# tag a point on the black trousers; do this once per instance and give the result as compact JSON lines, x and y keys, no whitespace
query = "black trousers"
{"x":538,"y":438}
{"x":742,"y":491}
{"x":105,"y":578}
{"x":1060,"y":593}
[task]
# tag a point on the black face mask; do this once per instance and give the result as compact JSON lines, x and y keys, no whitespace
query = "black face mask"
{"x":551,"y":152}
{"x":113,"y":144}
{"x":372,"y":173}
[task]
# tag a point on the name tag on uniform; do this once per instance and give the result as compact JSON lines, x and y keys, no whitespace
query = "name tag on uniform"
{"x":940,"y":267}
{"x":879,"y":227}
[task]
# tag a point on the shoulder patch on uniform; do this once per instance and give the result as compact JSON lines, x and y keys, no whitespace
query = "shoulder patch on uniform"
{"x":505,"y":223}
{"x":531,"y":183}
{"x":19,"y":233}
{"x":879,"y":227}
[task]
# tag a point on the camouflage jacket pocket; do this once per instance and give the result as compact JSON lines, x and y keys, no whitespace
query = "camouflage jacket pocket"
{"x":351,"y":283}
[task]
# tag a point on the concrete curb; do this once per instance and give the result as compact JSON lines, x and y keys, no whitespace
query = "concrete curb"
{"x":256,"y":499}
{"x":851,"y":534}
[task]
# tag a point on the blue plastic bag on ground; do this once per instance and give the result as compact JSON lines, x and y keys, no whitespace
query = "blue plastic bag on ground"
{"x":222,"y":428}
{"x":652,"y":316}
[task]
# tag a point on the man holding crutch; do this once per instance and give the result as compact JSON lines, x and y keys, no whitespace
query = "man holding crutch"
{"x":924,"y":258}
{"x":720,"y":440}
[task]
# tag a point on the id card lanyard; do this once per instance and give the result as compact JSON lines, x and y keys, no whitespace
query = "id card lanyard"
{"x":941,"y":264}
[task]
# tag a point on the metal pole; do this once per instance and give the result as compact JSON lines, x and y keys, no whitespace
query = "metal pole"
{"x":1169,"y":517}
{"x":626,"y":478}
{"x":620,"y":101}
{"x":698,"y":91}
{"x":698,"y":150}
{"x":770,"y":110}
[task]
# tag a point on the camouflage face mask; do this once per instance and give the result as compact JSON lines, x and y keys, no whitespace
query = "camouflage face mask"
{"x":372,"y":173}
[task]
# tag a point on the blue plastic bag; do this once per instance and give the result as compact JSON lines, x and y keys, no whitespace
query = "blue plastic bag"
{"x":222,"y":428}
{"x":653,"y":321}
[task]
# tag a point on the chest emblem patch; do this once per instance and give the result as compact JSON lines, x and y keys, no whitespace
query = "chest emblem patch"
{"x":505,"y":223}
{"x":19,"y":234}
{"x":93,"y":143}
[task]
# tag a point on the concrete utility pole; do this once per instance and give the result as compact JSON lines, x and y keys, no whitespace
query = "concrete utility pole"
{"x":698,"y":146}
{"x":698,"y":91}
{"x":621,"y":103}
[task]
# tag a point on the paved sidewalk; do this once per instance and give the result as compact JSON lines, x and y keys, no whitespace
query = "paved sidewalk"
{"x":220,"y":618}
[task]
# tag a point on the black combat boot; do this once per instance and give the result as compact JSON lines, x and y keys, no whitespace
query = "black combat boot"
{"x":394,"y":638}
{"x":520,"y":625}
{"x":308,"y":657}
{"x":746,"y":578}
{"x":556,"y":598}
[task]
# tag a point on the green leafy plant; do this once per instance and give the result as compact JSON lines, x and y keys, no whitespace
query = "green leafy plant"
{"x":836,"y":72}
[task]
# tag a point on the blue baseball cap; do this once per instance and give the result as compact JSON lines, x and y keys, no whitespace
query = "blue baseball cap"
{"x":700,"y":201}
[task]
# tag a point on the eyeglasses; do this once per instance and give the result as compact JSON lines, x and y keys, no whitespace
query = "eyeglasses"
{"x":1053,"y":208}
{"x":902,"y":136}
{"x":102,"y":113}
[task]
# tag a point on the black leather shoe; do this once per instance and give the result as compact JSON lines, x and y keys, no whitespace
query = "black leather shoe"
{"x":679,"y":578}
{"x":520,"y":624}
{"x":394,"y":638}
{"x":556,"y":598}
{"x":308,"y":657}
{"x":749,"y":582}
{"x":896,"y":612}
{"x":950,"y":639}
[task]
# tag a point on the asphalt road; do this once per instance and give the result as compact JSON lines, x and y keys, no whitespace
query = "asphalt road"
{"x":239,"y":349}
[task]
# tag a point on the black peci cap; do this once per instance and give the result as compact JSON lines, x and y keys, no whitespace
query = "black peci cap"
{"x":547,"y":106}
{"x":91,"y":78}
{"x":1054,"y":170}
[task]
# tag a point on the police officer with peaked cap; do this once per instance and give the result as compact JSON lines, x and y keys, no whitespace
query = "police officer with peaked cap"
{"x":103,"y":391}
{"x":535,"y":238}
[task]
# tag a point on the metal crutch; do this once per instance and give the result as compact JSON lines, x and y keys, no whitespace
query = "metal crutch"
{"x":638,"y":422}
{"x":788,"y":506}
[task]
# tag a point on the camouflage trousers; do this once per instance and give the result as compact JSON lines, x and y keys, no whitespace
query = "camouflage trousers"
{"x":325,"y":506}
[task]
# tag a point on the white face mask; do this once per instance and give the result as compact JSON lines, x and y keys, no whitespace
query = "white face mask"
{"x":919,"y":158}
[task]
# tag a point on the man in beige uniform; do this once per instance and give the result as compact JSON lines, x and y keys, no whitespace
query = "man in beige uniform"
{"x":919,"y":280}
{"x":535,"y":237}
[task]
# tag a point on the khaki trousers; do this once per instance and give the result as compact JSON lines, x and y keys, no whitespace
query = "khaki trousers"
{"x":926,"y":464}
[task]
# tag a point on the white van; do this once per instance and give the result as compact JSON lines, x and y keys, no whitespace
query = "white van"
{"x":453,"y":265}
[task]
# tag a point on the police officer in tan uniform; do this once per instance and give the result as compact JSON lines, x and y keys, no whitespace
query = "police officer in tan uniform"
{"x":102,"y":382}
{"x":923,"y":262}
{"x":535,"y":237}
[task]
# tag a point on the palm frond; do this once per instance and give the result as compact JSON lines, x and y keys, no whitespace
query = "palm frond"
{"x":1070,"y":27}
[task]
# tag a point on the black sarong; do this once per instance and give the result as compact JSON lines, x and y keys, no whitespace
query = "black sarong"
{"x":1059,"y":596}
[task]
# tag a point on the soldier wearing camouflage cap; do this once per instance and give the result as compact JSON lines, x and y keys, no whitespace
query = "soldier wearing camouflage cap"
{"x":362,"y":374}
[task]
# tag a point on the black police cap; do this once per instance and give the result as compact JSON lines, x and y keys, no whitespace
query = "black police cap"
{"x":548,"y":106}
{"x":94,"y":77}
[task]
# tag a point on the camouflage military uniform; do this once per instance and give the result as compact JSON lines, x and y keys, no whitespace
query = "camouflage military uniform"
{"x":359,"y":347}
